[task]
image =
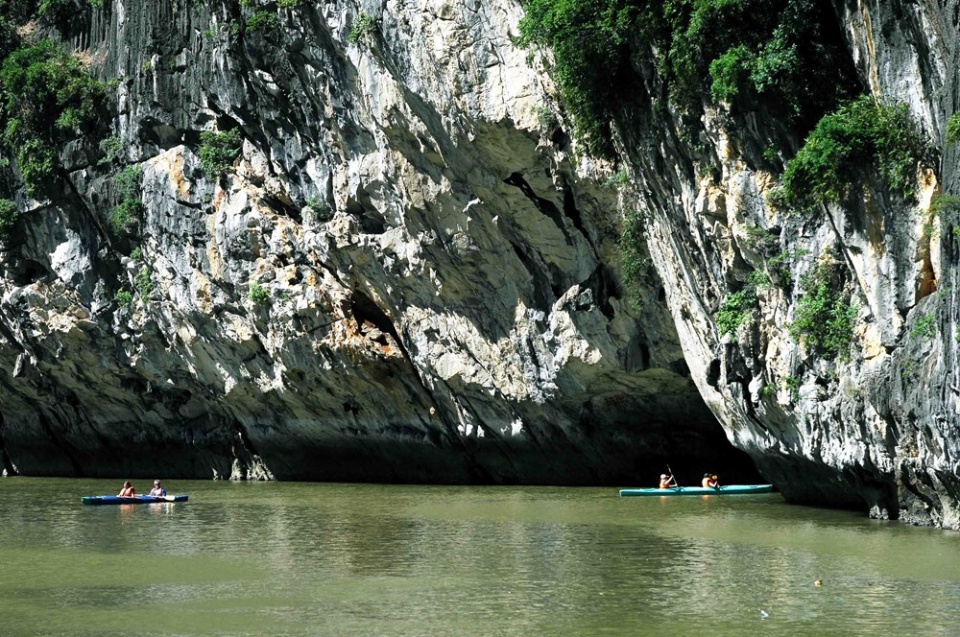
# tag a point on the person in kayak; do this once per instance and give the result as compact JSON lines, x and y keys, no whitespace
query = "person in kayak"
{"x":158,"y":490}
{"x":127,"y":491}
{"x":710,"y":481}
{"x":667,"y":481}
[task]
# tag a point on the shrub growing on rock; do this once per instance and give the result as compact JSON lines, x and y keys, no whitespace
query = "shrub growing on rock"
{"x":636,"y":267}
{"x":259,"y":294}
{"x":218,"y":151}
{"x":925,"y":326}
{"x":735,"y":308}
{"x":862,"y":135}
{"x":824,"y":317}
{"x":8,"y":219}
{"x":362,"y":28}
{"x":953,"y":128}
{"x":48,"y":99}
{"x":316,"y":211}
{"x":123,"y":298}
{"x":786,"y":55}
{"x":590,"y":48}
{"x":143,"y":281}
{"x":112,"y":148}
{"x":128,"y":210}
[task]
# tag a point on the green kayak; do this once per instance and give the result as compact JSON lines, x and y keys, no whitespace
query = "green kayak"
{"x":733,"y":489}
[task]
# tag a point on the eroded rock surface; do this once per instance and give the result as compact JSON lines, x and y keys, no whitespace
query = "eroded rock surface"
{"x":876,"y":429}
{"x":411,"y":272}
{"x":405,"y":276}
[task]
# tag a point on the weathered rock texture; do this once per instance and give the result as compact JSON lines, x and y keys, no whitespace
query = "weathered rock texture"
{"x":442,"y":269}
{"x":877,"y":431}
{"x":444,"y":299}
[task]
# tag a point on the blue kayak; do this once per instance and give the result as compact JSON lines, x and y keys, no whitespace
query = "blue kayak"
{"x":733,"y":489}
{"x":137,"y":499}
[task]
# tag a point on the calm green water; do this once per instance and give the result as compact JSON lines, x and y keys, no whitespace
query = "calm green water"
{"x":315,"y":559}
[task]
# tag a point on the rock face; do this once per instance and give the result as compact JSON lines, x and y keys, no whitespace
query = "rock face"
{"x":875,"y":430}
{"x":411,"y":271}
{"x":405,"y":275}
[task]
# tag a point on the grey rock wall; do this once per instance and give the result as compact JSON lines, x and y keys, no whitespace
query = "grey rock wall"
{"x":443,"y":297}
{"x":441,"y":265}
{"x":876,"y":431}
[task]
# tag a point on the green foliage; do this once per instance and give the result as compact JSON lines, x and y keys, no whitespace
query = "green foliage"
{"x":735,"y":308}
{"x":129,"y":208}
{"x":782,"y":54}
{"x":777,"y":199}
{"x":218,"y":151}
{"x":619,"y":179}
{"x":363,"y":27}
{"x":123,"y":298}
{"x":824,"y":317}
{"x":907,"y":370}
{"x":760,"y":279}
{"x":786,"y":55}
{"x":953,"y":128}
{"x":792,"y":385}
{"x":636,"y":268}
{"x":589,"y":39}
{"x":263,"y":22}
{"x":37,"y":162}
{"x":942,"y":205}
{"x":546,"y":117}
{"x":123,"y":214}
{"x":779,"y":267}
{"x":730,"y":73}
{"x":863,"y":134}
{"x":112,"y":148}
{"x":8,"y":220}
{"x":49,"y":89}
{"x":127,"y":181}
{"x":259,"y":294}
{"x":761,"y":240}
{"x":143,"y":281}
{"x":925,"y":326}
{"x":263,"y":17}
{"x":316,"y":211}
{"x":47,"y":99}
{"x":54,"y":9}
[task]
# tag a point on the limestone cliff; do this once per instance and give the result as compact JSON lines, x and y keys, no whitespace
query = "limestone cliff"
{"x":402,"y":273}
{"x":409,"y":266}
{"x":876,"y":427}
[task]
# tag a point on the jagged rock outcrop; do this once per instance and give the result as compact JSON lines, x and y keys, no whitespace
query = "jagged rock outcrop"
{"x":405,"y":275}
{"x":875,"y":430}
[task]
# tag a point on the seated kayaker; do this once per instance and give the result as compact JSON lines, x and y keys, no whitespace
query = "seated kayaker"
{"x":667,"y":481}
{"x":710,"y":481}
{"x":158,"y":490}
{"x":127,"y":491}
